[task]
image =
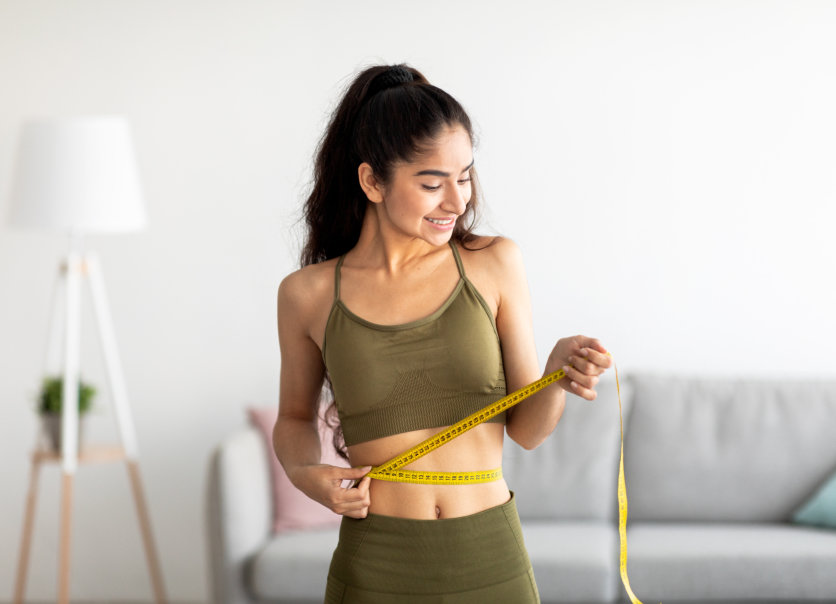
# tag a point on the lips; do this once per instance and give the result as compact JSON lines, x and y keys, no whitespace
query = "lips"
{"x":440,"y":221}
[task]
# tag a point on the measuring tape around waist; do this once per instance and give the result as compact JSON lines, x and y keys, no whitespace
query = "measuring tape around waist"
{"x":392,"y":470}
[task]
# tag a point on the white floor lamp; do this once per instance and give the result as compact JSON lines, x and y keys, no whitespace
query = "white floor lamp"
{"x":78,"y":176}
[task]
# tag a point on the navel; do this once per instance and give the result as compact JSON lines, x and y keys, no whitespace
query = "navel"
{"x":437,"y":512}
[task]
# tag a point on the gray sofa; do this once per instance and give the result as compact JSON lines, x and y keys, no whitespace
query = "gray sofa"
{"x":714,"y":471}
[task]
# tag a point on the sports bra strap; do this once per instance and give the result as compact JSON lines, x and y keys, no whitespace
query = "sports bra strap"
{"x":337,"y":278}
{"x":458,"y":260}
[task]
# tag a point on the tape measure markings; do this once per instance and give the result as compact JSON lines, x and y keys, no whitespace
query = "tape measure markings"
{"x":460,"y":427}
{"x":445,"y":478}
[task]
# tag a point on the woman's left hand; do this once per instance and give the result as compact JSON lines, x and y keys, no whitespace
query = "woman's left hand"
{"x":583,"y":359}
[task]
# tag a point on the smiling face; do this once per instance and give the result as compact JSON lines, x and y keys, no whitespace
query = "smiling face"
{"x":423,"y":198}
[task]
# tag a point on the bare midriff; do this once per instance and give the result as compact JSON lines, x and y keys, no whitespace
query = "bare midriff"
{"x":478,"y":449}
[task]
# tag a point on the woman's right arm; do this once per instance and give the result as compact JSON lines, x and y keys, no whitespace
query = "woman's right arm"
{"x":295,"y":436}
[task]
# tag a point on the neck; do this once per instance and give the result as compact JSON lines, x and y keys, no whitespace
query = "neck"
{"x":383,"y":247}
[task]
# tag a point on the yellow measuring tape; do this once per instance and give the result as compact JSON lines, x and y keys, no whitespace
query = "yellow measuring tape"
{"x":392,"y":470}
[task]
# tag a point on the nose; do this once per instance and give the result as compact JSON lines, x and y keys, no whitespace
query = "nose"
{"x":456,"y":200}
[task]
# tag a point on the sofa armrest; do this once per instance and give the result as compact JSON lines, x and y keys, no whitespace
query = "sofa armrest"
{"x":239,"y":508}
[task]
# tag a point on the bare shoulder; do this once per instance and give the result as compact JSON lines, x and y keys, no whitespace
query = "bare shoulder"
{"x":493,"y":264}
{"x":493,"y":255}
{"x":306,"y":292}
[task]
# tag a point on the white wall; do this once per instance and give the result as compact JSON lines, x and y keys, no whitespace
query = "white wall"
{"x":667,"y":168}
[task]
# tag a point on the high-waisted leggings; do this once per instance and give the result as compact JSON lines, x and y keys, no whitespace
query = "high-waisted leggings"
{"x":471,"y":559}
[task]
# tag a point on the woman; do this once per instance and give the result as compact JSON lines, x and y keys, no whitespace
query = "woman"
{"x":417,"y":322}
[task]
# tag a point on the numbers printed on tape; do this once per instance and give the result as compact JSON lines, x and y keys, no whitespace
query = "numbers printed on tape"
{"x":419,"y":477}
{"x":459,"y":428}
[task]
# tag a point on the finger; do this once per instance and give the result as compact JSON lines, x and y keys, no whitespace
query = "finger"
{"x":356,"y":488}
{"x":350,"y":475}
{"x":352,"y":484}
{"x":359,"y":513}
{"x":583,"y":365}
{"x":351,"y":503}
{"x":362,"y":488}
{"x":354,"y":508}
{"x":580,"y":381}
{"x":593,"y":343}
{"x":353,"y":473}
{"x":586,"y":380}
{"x":575,"y":387}
{"x":357,"y":506}
{"x":585,"y":393}
{"x":601,"y":361}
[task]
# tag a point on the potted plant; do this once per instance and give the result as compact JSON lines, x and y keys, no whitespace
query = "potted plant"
{"x":49,"y":406}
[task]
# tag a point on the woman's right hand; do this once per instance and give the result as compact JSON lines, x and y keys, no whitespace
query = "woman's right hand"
{"x":323,"y":483}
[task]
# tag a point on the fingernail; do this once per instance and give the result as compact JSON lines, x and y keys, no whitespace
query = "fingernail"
{"x":575,"y":385}
{"x":566,"y":368}
{"x":584,"y":352}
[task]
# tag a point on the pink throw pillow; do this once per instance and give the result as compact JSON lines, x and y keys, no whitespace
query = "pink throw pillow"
{"x":292,"y":509}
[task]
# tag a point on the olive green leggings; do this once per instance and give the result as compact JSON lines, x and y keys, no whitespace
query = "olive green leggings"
{"x":472,"y":559}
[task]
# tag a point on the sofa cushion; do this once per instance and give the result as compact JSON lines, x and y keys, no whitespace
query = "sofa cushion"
{"x":573,"y":561}
{"x":293,"y":566}
{"x":715,"y":450}
{"x":708,"y":561}
{"x":573,"y":473}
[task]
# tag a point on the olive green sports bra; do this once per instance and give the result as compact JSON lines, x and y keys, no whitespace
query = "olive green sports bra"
{"x":427,"y":373}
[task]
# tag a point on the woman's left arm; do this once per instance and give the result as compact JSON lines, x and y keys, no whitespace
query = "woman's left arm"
{"x":583,"y":358}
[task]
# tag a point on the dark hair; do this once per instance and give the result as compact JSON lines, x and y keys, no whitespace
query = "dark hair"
{"x":387,"y":114}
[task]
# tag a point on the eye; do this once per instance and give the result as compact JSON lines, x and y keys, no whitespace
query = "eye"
{"x":464,"y":180}
{"x":429,"y":188}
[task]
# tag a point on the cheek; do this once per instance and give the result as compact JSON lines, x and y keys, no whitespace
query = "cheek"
{"x":409,"y":204}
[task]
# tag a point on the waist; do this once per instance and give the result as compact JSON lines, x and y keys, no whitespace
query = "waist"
{"x":432,"y":502}
{"x":477,"y":450}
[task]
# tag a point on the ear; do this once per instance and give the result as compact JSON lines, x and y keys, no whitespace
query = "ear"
{"x":369,"y":183}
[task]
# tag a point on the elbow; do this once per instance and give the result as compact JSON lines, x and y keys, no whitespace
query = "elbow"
{"x":529,"y":436}
{"x":531,"y":423}
{"x":527,"y":440}
{"x":529,"y":444}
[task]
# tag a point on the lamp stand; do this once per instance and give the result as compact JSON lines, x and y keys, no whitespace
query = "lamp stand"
{"x":77,"y":267}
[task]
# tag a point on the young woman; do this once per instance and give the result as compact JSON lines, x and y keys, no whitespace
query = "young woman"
{"x":415,"y":322}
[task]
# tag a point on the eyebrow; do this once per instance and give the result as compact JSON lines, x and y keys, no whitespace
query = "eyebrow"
{"x":441,"y":173}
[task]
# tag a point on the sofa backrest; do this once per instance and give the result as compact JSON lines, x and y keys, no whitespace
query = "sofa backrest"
{"x":573,"y":474}
{"x":727,"y":450}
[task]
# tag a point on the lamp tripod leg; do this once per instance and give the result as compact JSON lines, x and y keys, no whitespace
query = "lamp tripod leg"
{"x":147,"y":535}
{"x":124,"y":418}
{"x":66,"y":533}
{"x":28,"y":526}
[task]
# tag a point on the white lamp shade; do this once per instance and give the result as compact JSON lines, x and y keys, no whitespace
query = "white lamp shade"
{"x":77,"y":175}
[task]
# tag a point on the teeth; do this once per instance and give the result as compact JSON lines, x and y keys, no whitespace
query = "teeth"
{"x":437,"y":221}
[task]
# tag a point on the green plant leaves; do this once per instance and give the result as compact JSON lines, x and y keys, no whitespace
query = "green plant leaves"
{"x":49,"y":398}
